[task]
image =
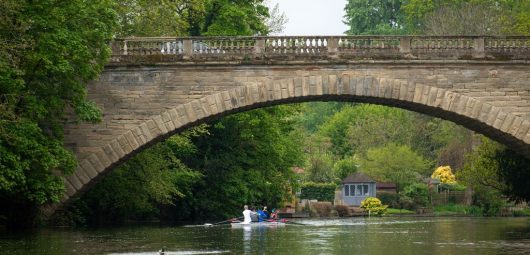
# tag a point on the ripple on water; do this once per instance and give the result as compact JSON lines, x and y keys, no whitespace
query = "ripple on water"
{"x":171,"y":253}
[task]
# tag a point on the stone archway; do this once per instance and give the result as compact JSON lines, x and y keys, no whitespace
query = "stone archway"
{"x":505,"y":127}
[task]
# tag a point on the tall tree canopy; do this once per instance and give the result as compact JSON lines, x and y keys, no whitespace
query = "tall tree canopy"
{"x":373,"y":17}
{"x":48,"y":50}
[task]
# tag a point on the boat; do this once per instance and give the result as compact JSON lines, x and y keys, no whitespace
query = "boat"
{"x":257,"y":224}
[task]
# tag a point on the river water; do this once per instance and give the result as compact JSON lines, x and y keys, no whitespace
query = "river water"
{"x":406,"y":235}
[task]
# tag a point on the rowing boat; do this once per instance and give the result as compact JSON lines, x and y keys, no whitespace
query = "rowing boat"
{"x":258,"y":224}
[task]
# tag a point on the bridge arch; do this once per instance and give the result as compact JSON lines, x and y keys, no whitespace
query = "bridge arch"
{"x":468,"y":111}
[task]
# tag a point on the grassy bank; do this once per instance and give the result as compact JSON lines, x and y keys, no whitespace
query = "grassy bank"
{"x":392,"y":211}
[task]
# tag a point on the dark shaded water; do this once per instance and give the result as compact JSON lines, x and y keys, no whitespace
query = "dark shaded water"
{"x":408,"y":235}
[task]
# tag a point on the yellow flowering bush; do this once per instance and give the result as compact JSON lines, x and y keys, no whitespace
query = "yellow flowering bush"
{"x":444,"y":174}
{"x":374,"y":205}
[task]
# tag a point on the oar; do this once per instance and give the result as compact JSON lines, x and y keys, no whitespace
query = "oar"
{"x":221,"y":222}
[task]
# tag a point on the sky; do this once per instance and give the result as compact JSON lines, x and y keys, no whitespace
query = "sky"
{"x":313,"y":17}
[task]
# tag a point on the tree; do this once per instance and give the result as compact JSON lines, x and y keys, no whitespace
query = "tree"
{"x":481,"y":168}
{"x":344,"y":167}
{"x":444,"y":174}
{"x":194,"y":17}
{"x":155,"y":177}
{"x":464,"y":17}
{"x":373,"y":17}
{"x":246,"y":159}
{"x":394,"y":163}
{"x":320,"y":161}
{"x":49,"y":51}
{"x":276,"y":20}
{"x":235,"y":17}
{"x":158,"y":17}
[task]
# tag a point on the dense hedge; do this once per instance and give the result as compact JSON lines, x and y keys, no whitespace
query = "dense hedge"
{"x":318,"y":191}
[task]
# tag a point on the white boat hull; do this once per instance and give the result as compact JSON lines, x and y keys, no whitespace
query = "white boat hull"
{"x":258,"y":224}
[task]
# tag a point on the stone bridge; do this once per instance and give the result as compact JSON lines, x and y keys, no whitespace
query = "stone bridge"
{"x":156,"y":87}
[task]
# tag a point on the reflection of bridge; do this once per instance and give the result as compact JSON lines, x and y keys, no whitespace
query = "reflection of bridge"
{"x":156,"y":87}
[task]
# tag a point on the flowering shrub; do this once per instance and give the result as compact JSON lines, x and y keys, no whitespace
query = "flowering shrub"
{"x":374,"y":205}
{"x":444,"y":174}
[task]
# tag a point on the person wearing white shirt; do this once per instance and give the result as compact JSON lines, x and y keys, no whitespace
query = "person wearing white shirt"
{"x":246,"y":215}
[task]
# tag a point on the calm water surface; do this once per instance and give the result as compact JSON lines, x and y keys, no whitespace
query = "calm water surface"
{"x":343,"y":236}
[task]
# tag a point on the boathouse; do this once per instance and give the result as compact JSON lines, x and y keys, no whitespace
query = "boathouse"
{"x":356,"y":187}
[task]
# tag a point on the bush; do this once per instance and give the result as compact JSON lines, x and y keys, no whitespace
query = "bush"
{"x":342,"y":210}
{"x":323,"y":209}
{"x":390,"y":199}
{"x":419,"y":193}
{"x":406,"y":202}
{"x":490,"y":202}
{"x":318,"y":191}
{"x":374,"y":206}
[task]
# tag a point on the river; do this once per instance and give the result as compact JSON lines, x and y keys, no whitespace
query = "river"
{"x":388,"y":235}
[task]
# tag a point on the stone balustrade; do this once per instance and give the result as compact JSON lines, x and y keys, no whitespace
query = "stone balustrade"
{"x":325,"y":48}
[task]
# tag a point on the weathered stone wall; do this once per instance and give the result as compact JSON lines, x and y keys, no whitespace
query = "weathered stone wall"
{"x":133,"y":95}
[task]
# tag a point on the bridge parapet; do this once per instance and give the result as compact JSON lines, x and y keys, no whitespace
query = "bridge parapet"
{"x":318,"y":48}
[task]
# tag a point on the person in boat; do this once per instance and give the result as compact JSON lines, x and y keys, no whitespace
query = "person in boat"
{"x":246,"y":215}
{"x":267,"y":214}
{"x":274,"y":214}
{"x":254,"y":215}
{"x":262,"y":215}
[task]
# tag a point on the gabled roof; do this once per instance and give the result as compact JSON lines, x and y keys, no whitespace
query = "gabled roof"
{"x":357,"y":177}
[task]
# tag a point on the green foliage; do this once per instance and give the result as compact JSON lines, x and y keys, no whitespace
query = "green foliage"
{"x":514,"y":170}
{"x":246,"y":159}
{"x":373,"y":17}
{"x":155,"y":177}
{"x":235,"y":17}
{"x":320,"y":166}
{"x":464,"y":17}
{"x":390,"y":199}
{"x":157,"y":17}
{"x":489,"y":201}
{"x":317,"y":113}
{"x":344,"y":167}
{"x":482,"y":168}
{"x":419,"y":193}
{"x":374,"y":206}
{"x":457,"y":209}
{"x":394,"y":163}
{"x":89,"y":112}
{"x":355,"y":129}
{"x":318,"y":191}
{"x":390,"y":211}
{"x":50,"y":49}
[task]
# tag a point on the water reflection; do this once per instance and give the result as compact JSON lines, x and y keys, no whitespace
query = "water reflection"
{"x":336,"y":236}
{"x":247,"y":236}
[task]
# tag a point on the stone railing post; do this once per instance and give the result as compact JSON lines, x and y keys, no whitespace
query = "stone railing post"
{"x":187,"y":48}
{"x":115,"y":47}
{"x":478,"y":48}
{"x":333,"y":45}
{"x":259,"y":46}
{"x":124,"y":47}
{"x":404,"y":45}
